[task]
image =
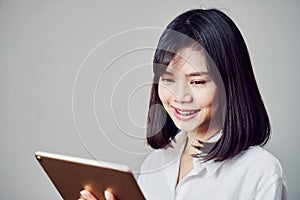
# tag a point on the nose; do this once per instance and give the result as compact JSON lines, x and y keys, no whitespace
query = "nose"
{"x":182,"y":93}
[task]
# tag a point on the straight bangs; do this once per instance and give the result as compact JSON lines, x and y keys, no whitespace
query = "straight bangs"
{"x":169,"y":44}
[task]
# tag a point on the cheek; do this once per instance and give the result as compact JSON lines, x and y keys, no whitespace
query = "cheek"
{"x":203,"y":99}
{"x":163,"y":93}
{"x":207,"y":98}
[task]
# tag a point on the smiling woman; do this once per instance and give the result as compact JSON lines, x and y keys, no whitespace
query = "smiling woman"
{"x":189,"y":94}
{"x":211,"y":142}
{"x":210,"y":145}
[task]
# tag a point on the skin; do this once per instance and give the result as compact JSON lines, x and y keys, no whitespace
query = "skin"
{"x":86,"y":195}
{"x":189,"y":95}
{"x":187,"y":86}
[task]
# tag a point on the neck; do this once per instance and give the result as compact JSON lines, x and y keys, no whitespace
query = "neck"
{"x":197,"y":135}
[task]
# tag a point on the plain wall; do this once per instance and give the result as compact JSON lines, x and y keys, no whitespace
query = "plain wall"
{"x":75,"y":74}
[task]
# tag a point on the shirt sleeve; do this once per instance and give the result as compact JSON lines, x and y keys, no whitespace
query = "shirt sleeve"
{"x":274,"y":189}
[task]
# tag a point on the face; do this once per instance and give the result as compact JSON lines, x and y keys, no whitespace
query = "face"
{"x":189,"y":94}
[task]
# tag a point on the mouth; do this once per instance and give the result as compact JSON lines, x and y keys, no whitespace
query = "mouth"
{"x":185,"y":114}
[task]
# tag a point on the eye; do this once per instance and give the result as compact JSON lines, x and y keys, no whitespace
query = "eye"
{"x":167,"y":80}
{"x":198,"y":82}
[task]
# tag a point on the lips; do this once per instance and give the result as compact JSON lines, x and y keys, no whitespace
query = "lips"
{"x":185,"y":114}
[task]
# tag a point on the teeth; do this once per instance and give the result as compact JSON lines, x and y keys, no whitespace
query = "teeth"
{"x":186,"y":113}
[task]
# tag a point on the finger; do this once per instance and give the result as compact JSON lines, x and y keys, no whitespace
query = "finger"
{"x":87,"y":195}
{"x":108,"y":195}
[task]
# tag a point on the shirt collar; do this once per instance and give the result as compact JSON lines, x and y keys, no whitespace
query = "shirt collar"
{"x":179,"y":143}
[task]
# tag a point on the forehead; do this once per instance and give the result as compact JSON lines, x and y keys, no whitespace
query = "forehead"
{"x":188,"y":60}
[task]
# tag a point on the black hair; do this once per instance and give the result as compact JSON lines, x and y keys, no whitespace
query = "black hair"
{"x":246,"y":122}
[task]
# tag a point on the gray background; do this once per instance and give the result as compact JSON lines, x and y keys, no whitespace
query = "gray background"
{"x":47,"y":58}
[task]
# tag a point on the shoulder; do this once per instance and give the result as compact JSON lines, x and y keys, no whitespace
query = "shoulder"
{"x":255,"y":164}
{"x":261,"y":160}
{"x":266,"y":170}
{"x":154,"y":158}
{"x":257,"y":171}
{"x":259,"y":168}
{"x":159,"y":159}
{"x":166,"y":156}
{"x":155,"y":166}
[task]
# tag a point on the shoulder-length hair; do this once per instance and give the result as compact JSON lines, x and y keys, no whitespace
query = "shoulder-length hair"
{"x":245,"y":122}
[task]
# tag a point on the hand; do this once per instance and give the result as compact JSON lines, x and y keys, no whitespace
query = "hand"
{"x":86,"y":195}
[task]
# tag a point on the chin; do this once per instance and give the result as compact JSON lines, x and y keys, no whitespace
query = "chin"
{"x":186,"y":127}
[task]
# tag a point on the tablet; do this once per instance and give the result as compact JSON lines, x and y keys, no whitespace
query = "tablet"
{"x":70,"y":175}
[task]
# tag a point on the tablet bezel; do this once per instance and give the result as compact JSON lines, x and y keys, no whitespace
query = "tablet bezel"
{"x":72,"y":174}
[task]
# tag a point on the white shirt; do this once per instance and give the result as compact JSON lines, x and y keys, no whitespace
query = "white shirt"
{"x":253,"y":174}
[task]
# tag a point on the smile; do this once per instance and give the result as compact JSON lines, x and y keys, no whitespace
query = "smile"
{"x":184,"y":114}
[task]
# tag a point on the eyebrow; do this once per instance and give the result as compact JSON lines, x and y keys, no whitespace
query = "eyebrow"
{"x":196,"y":74}
{"x":188,"y":75}
{"x":168,"y":73}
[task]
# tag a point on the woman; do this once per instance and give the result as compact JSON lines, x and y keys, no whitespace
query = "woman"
{"x":206,"y":117}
